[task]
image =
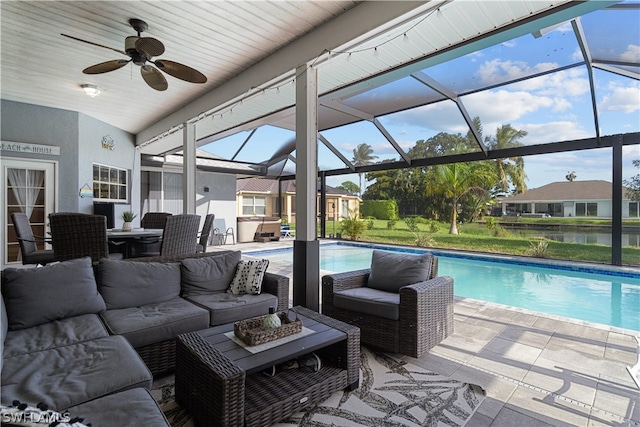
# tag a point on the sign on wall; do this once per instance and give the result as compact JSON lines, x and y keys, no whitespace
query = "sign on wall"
{"x":24,"y":147}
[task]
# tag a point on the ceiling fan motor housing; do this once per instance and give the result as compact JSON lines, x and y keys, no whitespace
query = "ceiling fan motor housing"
{"x":139,"y":58}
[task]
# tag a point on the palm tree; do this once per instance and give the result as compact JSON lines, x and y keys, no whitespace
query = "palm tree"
{"x":510,"y":169}
{"x":456,"y":180}
{"x":362,"y":156}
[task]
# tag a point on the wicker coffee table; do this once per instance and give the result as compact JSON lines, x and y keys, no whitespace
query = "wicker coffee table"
{"x":221,"y":383}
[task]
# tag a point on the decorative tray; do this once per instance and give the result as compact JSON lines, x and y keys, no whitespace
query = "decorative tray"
{"x":252,"y":332}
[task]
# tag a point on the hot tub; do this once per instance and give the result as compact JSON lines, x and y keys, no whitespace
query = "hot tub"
{"x":268,"y":228}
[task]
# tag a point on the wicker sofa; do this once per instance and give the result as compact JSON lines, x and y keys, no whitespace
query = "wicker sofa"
{"x":88,"y":339}
{"x":400,"y":304}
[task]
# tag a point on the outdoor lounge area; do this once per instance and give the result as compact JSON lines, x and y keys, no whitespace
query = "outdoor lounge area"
{"x":194,"y":135}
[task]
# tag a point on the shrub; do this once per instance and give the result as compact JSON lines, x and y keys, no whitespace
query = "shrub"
{"x":490,"y":222}
{"x":423,"y":239}
{"x":370,"y":220}
{"x":381,"y":209}
{"x":391,"y":224}
{"x":352,"y":226}
{"x":539,"y":248}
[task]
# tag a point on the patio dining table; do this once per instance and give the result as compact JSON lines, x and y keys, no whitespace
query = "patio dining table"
{"x":132,"y":238}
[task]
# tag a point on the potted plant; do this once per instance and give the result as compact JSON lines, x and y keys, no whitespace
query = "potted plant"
{"x":127,"y":217}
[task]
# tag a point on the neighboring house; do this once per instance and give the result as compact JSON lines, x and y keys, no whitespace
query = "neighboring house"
{"x":259,"y":197}
{"x":570,"y":199}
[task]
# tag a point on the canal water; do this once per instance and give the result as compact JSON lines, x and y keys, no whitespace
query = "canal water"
{"x":581,"y":236}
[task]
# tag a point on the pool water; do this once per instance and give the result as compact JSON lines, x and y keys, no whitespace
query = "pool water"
{"x":593,"y":295}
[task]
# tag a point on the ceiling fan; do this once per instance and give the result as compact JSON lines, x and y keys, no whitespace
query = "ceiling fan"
{"x":140,"y":50}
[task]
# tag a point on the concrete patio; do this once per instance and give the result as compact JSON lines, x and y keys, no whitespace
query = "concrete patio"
{"x":536,"y":369}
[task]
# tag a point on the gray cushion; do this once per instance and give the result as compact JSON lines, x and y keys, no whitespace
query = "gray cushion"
{"x":74,"y":374}
{"x":131,"y":284}
{"x":210,"y":274}
{"x":227,"y":308}
{"x":369,"y":301}
{"x":54,"y":334}
{"x":130,"y":408}
{"x":4,"y":326}
{"x":35,"y":296}
{"x":391,"y":271}
{"x":152,"y":323}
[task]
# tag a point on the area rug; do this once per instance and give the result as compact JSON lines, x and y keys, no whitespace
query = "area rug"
{"x":392,"y":393}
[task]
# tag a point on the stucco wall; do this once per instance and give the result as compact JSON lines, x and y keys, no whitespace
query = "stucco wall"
{"x":79,"y":138}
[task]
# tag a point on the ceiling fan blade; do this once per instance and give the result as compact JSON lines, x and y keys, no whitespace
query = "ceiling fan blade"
{"x":150,"y":46}
{"x":105,"y":67}
{"x":181,"y":71}
{"x":153,"y":77}
{"x":95,"y":44}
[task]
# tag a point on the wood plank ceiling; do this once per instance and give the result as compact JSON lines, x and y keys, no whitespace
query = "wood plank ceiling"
{"x":220,"y":39}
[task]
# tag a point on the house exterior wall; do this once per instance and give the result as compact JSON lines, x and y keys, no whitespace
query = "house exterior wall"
{"x":79,"y":138}
{"x":569,"y":208}
{"x":342,"y":205}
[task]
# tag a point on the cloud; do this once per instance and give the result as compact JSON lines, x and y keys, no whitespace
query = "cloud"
{"x":573,"y":82}
{"x":553,"y":132}
{"x":577,"y":55}
{"x":497,"y":70}
{"x":625,"y":99}
{"x":632,"y":54}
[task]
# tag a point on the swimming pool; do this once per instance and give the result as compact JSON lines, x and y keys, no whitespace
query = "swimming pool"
{"x":606,"y":296}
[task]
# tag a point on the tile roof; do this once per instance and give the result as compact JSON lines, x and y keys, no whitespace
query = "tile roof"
{"x":267,"y":185}
{"x":566,"y":191}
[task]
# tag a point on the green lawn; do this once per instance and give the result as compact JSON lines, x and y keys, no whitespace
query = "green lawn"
{"x":477,"y":237}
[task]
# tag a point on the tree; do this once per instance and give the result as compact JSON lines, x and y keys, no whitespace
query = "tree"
{"x":455,"y":180}
{"x":633,"y":184}
{"x":363,"y":156}
{"x":509,"y":170}
{"x":350,"y":187}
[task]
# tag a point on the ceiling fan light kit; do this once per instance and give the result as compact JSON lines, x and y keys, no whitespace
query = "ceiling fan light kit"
{"x":140,"y":50}
{"x":91,"y":90}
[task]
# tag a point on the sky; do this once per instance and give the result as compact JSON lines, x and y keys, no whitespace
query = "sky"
{"x":550,"y":108}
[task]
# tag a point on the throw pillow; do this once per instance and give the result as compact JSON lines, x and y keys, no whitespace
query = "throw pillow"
{"x":202,"y":276}
{"x":248,"y":278}
{"x":391,"y":271}
{"x":34,"y":296}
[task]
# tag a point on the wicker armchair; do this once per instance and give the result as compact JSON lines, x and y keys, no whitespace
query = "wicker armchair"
{"x":424,"y":312}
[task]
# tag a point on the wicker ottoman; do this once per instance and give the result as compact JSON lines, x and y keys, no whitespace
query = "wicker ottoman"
{"x":221,"y":383}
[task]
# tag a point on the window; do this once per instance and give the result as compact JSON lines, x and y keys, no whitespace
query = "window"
{"x":633,"y":209}
{"x":254,"y":205}
{"x":110,"y":184}
{"x":586,"y":209}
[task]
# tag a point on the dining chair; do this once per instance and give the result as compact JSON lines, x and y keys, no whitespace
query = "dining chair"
{"x":180,"y":236}
{"x":153,"y":220}
{"x":76,"y":235}
{"x":29,"y":243}
{"x":203,"y":239}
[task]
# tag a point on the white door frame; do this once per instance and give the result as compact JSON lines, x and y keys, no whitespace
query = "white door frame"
{"x":50,"y":168}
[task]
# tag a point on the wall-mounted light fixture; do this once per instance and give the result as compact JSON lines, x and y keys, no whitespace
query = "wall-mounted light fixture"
{"x":91,"y":90}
